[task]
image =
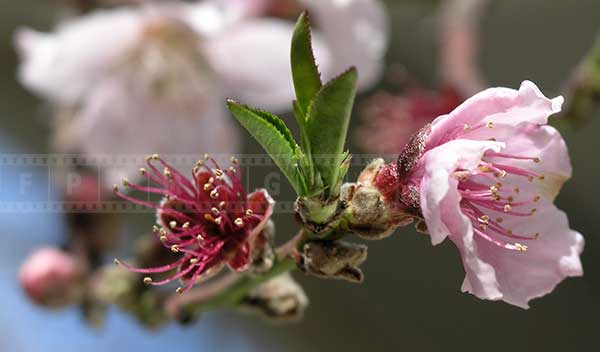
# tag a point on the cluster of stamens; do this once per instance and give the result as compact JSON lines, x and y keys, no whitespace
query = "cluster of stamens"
{"x":488,"y":199}
{"x":206,"y":218}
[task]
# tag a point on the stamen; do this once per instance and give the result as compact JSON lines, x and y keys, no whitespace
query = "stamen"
{"x":239,"y":222}
{"x":175,"y":248}
{"x":147,"y":280}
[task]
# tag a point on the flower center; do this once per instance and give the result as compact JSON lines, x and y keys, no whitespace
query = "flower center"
{"x":489,"y":198}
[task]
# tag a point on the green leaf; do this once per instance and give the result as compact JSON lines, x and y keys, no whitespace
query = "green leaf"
{"x":327,"y":125}
{"x":305,"y":73}
{"x":274,"y":136}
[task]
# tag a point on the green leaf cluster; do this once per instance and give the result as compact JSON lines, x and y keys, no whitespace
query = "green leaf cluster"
{"x":316,"y":167}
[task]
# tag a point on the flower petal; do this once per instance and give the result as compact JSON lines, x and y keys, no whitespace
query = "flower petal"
{"x":439,"y":194}
{"x":521,"y":276}
{"x":241,"y":259}
{"x":64,"y":65}
{"x":263,"y":77}
{"x":357,"y":32}
{"x":497,"y":105}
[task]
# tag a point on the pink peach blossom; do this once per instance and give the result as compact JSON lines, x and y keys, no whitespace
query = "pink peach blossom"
{"x":487,"y":175}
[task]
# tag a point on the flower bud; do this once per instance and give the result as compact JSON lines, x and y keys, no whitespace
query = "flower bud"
{"x":371,"y":211}
{"x":280,"y":298}
{"x":52,"y":278}
{"x":335,"y":259}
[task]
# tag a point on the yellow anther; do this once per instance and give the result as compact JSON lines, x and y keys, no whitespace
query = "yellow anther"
{"x":193,"y":261}
{"x":175,"y":248}
{"x":179,"y":290}
{"x":155,"y":156}
{"x":466,"y":127}
{"x":117,"y":261}
{"x":142,"y":171}
{"x":186,"y":225}
{"x":214,"y":194}
{"x":167,"y":173}
{"x":233,"y":160}
{"x":239,"y":222}
{"x":200,"y":237}
{"x":249,"y":212}
{"x":521,"y":247}
{"x":173,"y":224}
{"x":115,"y":188}
{"x":507,"y":208}
{"x":489,"y":124}
{"x":536,"y":160}
{"x":215,"y":211}
{"x":147,"y":280}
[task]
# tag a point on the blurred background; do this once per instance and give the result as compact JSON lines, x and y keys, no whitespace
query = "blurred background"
{"x":411,"y":297}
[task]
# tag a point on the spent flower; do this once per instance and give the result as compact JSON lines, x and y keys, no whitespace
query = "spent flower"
{"x":207,"y":219}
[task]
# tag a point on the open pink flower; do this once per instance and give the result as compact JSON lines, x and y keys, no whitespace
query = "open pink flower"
{"x":486,"y":176}
{"x":209,"y":219}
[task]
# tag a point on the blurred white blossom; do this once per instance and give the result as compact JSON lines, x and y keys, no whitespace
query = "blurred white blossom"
{"x":153,"y":78}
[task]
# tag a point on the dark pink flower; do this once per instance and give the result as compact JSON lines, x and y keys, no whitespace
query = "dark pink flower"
{"x":390,"y":120}
{"x":485,"y":176}
{"x":208,"y":218}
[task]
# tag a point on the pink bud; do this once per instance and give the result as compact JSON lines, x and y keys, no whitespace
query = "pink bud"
{"x":51,"y":277}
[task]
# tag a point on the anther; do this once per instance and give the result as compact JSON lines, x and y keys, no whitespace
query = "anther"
{"x":233,"y":160}
{"x":206,"y":156}
{"x":117,"y":261}
{"x":142,"y":171}
{"x":536,"y":160}
{"x":147,"y":280}
{"x":222,"y":204}
{"x":489,"y":124}
{"x":219,"y":173}
{"x":175,"y":248}
{"x":239,"y":222}
{"x":530,"y":178}
{"x":207,"y":187}
{"x":507,"y":208}
{"x":218,"y":221}
{"x":214,"y":194}
{"x":200,"y":237}
{"x":521,"y":247}
{"x":249,"y":212}
{"x":115,"y":188}
{"x":179,"y":290}
{"x":186,"y":225}
{"x":193,"y":261}
{"x":466,"y":127}
{"x":155,"y":156}
{"x":537,"y":199}
{"x":167,"y":173}
{"x":499,"y":220}
{"x":215,"y":211}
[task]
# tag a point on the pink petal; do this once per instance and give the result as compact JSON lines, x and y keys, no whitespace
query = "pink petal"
{"x":497,"y":105}
{"x":439,"y":194}
{"x":522,"y":276}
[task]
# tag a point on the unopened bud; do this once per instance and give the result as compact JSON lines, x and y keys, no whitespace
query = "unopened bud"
{"x":335,"y":259}
{"x":377,"y":204}
{"x":280,"y":298}
{"x":52,"y":278}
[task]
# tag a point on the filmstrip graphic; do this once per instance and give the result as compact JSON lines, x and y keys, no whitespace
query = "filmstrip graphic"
{"x":31,"y":183}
